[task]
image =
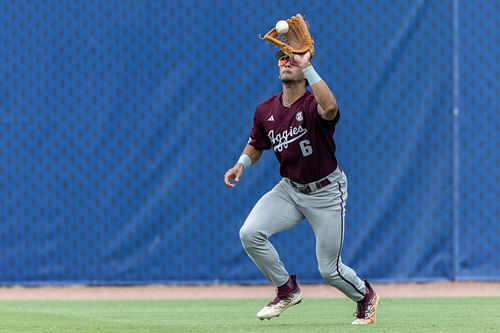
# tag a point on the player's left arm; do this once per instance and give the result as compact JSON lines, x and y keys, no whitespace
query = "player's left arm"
{"x":327,"y":104}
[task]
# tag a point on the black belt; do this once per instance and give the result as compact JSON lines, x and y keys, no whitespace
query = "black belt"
{"x":307,"y":188}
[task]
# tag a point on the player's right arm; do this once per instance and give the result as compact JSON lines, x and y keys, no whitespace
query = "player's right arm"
{"x":235,"y":173}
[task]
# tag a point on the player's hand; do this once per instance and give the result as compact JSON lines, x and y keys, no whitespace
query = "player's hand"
{"x":302,"y":59}
{"x":234,"y":173}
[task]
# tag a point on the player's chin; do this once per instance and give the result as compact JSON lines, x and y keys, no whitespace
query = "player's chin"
{"x":286,"y":79}
{"x":290,"y":80}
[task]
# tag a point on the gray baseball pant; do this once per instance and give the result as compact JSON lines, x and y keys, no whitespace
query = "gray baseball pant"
{"x":284,"y":207}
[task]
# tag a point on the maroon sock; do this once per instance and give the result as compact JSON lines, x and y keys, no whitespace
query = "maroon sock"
{"x":289,"y":286}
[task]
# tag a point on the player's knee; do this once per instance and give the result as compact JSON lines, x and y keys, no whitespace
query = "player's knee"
{"x":329,"y":272}
{"x":325,"y":273}
{"x":246,"y":235}
{"x":249,"y":237}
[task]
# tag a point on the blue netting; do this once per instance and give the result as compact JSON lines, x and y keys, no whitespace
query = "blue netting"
{"x":118,"y":120}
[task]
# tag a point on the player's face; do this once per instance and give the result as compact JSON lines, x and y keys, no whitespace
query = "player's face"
{"x":289,"y":70}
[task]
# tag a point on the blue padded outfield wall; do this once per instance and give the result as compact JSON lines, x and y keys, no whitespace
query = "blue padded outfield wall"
{"x":118,"y":120}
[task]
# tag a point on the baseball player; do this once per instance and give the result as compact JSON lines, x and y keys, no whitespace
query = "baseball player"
{"x":298,"y":125}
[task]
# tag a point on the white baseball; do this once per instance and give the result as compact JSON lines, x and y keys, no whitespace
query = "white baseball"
{"x":281,"y":27}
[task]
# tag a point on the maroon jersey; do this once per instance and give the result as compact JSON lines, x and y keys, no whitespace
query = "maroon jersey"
{"x":301,"y":139}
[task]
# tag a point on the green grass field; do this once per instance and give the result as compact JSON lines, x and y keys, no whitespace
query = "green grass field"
{"x":313,"y":315}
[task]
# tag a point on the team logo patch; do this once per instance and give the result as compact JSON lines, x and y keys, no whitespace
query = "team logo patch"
{"x":299,"y":116}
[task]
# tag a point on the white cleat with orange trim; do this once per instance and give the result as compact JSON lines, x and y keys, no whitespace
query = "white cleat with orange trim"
{"x":366,"y":311}
{"x":283,"y":300}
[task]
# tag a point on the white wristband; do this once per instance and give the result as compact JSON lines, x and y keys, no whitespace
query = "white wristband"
{"x":245,"y":160}
{"x":311,"y":76}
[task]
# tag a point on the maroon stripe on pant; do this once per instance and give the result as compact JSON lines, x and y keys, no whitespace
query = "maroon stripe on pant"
{"x":342,"y":239}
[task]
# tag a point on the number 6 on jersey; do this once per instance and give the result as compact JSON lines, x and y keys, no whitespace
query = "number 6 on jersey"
{"x":306,"y":148}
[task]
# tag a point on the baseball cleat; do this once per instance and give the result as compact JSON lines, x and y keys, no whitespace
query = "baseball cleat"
{"x":289,"y":295}
{"x":366,"y":312}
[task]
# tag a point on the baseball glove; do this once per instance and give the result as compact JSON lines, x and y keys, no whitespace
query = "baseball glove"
{"x":296,"y":40}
